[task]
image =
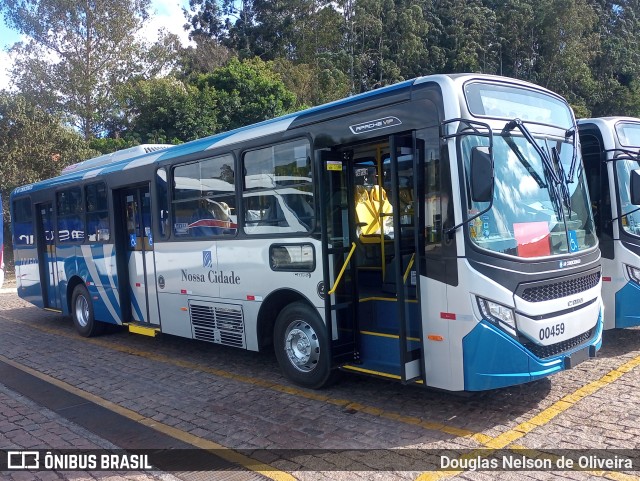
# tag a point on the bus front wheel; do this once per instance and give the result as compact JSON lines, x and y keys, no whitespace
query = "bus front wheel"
{"x":82,"y":313}
{"x":302,"y":347}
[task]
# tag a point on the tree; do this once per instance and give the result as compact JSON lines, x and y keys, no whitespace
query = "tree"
{"x":467,"y":27}
{"x":567,"y":42}
{"x":514,"y":37}
{"x":205,"y":56}
{"x":204,"y":19}
{"x":34,"y":145}
{"x":312,"y":84}
{"x":76,"y":53}
{"x":166,"y":110}
{"x":615,"y":66}
{"x":248,"y":91}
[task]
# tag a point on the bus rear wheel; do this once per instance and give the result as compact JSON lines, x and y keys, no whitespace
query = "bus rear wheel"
{"x":82,"y":313}
{"x":302,"y":347}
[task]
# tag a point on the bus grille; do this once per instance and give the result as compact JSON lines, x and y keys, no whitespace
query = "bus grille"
{"x":543,"y":352}
{"x":561,"y":289}
{"x":219,"y":323}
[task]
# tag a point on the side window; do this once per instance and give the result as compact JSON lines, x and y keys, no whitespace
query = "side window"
{"x":162,"y":205}
{"x":70,"y":215}
{"x":22,"y":222}
{"x":278,"y":189}
{"x":436,"y":199}
{"x":204,"y":198}
{"x":439,"y":261}
{"x":598,"y":182}
{"x":97,"y":209}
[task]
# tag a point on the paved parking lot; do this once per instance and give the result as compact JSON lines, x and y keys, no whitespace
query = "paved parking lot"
{"x":238,"y":404}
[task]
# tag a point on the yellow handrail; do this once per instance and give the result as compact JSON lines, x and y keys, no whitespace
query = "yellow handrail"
{"x":406,"y":273}
{"x":344,"y":268}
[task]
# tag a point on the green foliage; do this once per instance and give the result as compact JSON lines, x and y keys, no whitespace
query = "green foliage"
{"x":166,"y":110}
{"x":107,"y":145}
{"x":34,"y":145}
{"x":312,"y":85}
{"x":76,"y":53}
{"x":247,"y":91}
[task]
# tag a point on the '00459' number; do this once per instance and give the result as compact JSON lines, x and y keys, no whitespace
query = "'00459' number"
{"x":555,"y":330}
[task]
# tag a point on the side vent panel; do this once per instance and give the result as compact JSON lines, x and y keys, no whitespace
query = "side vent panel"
{"x":216,"y":322}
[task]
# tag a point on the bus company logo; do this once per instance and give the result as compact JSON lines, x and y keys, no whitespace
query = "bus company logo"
{"x":161,"y":282}
{"x":207,"y":259}
{"x":213,"y":277}
{"x":575,"y":302}
{"x":574,"y":262}
{"x":25,"y":188}
{"x":377,"y":124}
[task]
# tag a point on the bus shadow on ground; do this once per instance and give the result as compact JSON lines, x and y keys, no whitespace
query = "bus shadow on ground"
{"x":620,"y":342}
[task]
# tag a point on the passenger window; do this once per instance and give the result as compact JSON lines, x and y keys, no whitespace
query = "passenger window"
{"x":22,"y":222}
{"x":204,"y":198}
{"x":434,"y":200}
{"x":70,"y":215}
{"x":97,"y":208}
{"x":278,"y":189}
{"x":162,"y":206}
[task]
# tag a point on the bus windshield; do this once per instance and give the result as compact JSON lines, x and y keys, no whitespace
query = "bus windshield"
{"x":629,"y":214}
{"x":628,"y":134}
{"x":530,"y":215}
{"x":509,"y":102}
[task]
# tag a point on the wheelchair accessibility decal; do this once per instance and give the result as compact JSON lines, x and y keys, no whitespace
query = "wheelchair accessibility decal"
{"x":573,"y":241}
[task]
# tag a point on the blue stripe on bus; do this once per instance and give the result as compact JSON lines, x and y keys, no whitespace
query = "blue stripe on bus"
{"x":135,"y":306}
{"x":492,"y":359}
{"x":106,"y":295}
{"x":627,"y":312}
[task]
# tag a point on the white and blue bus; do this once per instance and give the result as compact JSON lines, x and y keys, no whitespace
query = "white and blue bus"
{"x":437,"y":231}
{"x":611,"y":151}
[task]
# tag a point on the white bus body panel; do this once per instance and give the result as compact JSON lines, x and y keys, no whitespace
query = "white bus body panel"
{"x":238,"y":275}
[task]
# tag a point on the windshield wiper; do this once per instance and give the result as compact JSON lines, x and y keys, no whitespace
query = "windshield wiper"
{"x":546,"y":161}
{"x":563,"y":185}
{"x":574,"y":160}
{"x":549,"y":171}
{"x":523,"y":160}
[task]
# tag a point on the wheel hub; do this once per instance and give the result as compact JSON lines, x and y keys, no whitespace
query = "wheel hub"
{"x":82,"y":311}
{"x":302,"y":346}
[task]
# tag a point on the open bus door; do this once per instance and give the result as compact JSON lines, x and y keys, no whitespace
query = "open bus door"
{"x":338,"y":261}
{"x":371,"y":230}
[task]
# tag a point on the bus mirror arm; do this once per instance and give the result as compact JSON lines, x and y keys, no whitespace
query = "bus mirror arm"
{"x":623,"y":215}
{"x":449,"y":232}
{"x":574,"y":159}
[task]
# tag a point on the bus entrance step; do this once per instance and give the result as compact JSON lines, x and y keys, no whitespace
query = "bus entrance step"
{"x":377,"y":369}
{"x":143,"y":330}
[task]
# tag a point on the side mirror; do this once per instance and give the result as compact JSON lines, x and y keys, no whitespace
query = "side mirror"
{"x":634,"y":187}
{"x":482,"y":175}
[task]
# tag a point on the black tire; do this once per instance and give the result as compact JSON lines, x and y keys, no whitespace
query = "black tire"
{"x":302,"y":347}
{"x":82,"y":313}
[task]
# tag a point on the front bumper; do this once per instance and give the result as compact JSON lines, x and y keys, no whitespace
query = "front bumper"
{"x":492,"y":359}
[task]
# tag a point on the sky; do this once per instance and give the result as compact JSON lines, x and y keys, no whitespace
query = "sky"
{"x":165,"y":14}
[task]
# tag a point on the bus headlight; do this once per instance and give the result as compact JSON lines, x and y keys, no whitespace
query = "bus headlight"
{"x":500,"y":315}
{"x":634,"y":274}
